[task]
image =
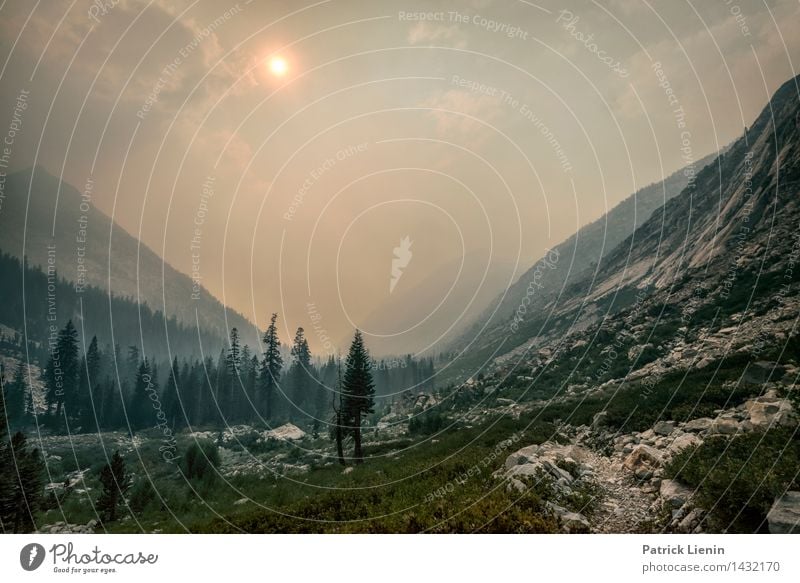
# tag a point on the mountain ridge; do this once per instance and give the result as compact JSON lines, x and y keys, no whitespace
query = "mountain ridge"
{"x":89,"y":248}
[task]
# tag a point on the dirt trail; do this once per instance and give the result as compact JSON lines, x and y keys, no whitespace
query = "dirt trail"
{"x":624,"y":507}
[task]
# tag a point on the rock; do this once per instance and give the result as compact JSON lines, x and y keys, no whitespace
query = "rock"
{"x":557,"y":472}
{"x":768,"y":411}
{"x":664,"y":428}
{"x":674,"y":493}
{"x":571,"y":522}
{"x":526,"y":470}
{"x":287,"y":432}
{"x":643,"y":456}
{"x":724,"y":427}
{"x":523,"y":456}
{"x":599,"y":419}
{"x":698,"y":425}
{"x":516,"y":485}
{"x":503,"y":401}
{"x":784,"y":516}
{"x":704,"y":362}
{"x":690,"y":521}
{"x":683,"y":441}
{"x":241,"y":501}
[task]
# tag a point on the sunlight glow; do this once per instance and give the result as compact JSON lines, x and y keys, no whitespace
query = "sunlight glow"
{"x":278,"y":66}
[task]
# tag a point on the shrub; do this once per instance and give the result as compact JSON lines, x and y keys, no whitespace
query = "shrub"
{"x":738,"y":479}
{"x":200,"y":461}
{"x":426,"y":423}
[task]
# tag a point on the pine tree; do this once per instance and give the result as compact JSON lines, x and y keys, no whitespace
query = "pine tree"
{"x":6,"y":463}
{"x":116,"y":482}
{"x":358,"y":392}
{"x":337,"y":427}
{"x":28,"y":487}
{"x":300,"y":373}
{"x":88,"y":386}
{"x":233,"y":382}
{"x":16,"y":392}
{"x":140,"y":401}
{"x":270,"y":367}
{"x":172,"y":403}
{"x":62,"y":373}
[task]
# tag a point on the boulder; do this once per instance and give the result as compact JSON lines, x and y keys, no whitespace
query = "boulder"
{"x":287,"y":432}
{"x":599,"y":419}
{"x":571,"y":522}
{"x":724,"y":427}
{"x":643,"y":457}
{"x":557,"y":472}
{"x":784,"y":516}
{"x":523,"y":456}
{"x":683,"y":441}
{"x":767,"y":412}
{"x":698,"y":425}
{"x":664,"y":428}
{"x":674,"y":493}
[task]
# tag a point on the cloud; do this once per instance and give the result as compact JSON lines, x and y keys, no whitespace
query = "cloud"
{"x":425,"y":32}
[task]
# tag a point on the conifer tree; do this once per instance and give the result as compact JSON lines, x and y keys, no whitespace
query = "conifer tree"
{"x":172,"y":403}
{"x":16,"y":392}
{"x":116,"y":482}
{"x":300,"y":373}
{"x":270,"y":367}
{"x":140,"y":401}
{"x":62,"y":373}
{"x":27,"y":489}
{"x":337,"y":427}
{"x":88,"y":391}
{"x":358,"y":392}
{"x":6,"y":462}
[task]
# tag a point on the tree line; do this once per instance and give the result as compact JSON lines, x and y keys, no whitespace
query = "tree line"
{"x":105,"y":388}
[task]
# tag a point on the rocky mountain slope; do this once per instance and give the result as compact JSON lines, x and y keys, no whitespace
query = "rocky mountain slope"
{"x":720,"y":255}
{"x":574,"y":259}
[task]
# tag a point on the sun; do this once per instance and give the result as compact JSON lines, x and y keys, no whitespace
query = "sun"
{"x":278,"y":66}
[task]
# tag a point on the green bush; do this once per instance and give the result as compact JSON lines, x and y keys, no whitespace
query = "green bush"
{"x":426,"y":423}
{"x":200,"y":461}
{"x":143,"y":496}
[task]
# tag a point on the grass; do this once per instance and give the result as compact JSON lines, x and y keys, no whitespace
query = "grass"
{"x":445,"y":486}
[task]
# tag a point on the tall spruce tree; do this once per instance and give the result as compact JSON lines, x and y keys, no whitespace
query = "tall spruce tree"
{"x":88,"y":386}
{"x":270,"y":368}
{"x":337,"y":426}
{"x":172,"y":403}
{"x":140,"y":405}
{"x":6,"y":463}
{"x":300,"y":375}
{"x":116,"y":482}
{"x":61,"y":374}
{"x":358,"y":392}
{"x":16,"y":394}
{"x":27,"y":489}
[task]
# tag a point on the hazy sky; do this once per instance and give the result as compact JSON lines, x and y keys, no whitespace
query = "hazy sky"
{"x":329,"y":131}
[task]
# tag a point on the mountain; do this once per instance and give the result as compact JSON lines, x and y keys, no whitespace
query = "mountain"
{"x":712,"y":270}
{"x":57,"y":224}
{"x":572,"y":260}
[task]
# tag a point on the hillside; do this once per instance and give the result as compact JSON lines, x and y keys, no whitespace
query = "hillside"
{"x":110,"y":258}
{"x":571,"y":261}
